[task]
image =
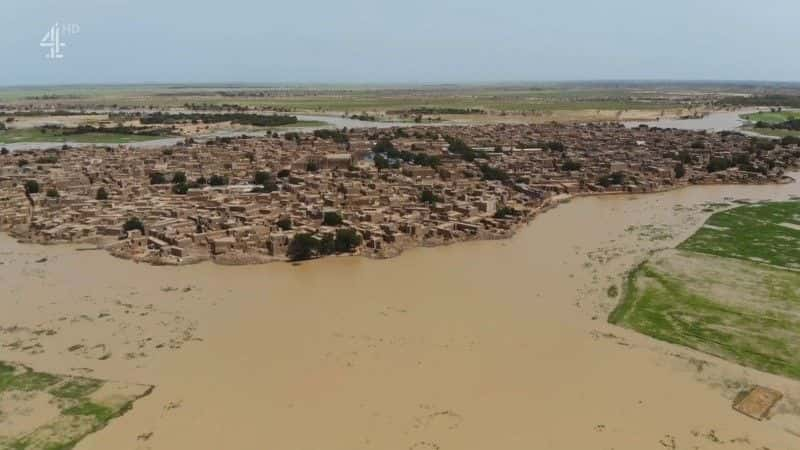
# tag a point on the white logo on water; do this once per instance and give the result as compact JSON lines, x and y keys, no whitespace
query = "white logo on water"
{"x":54,"y":39}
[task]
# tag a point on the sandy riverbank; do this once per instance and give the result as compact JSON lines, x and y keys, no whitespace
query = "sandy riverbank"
{"x":497,"y":344}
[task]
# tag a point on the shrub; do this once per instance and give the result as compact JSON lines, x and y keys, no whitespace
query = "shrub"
{"x":158,"y":178}
{"x":429,"y":197}
{"x":102,"y":194}
{"x":218,"y":180}
{"x":180,"y":188}
{"x":52,"y":193}
{"x":570,"y":165}
{"x":179,"y":178}
{"x":261,"y":177}
{"x":32,"y":187}
{"x":284,"y":223}
{"x":134,"y":223}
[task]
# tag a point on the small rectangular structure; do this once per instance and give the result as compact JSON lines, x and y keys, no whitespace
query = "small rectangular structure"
{"x":758,"y":402}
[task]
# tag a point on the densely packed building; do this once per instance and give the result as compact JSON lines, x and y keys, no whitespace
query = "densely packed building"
{"x":245,"y":200}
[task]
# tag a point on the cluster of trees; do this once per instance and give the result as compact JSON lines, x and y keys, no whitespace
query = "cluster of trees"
{"x":332,"y":219}
{"x":118,"y":129}
{"x":506,"y":212}
{"x":259,"y":120}
{"x":791,"y":101}
{"x":493,"y":173}
{"x":267,"y":182}
{"x":612,"y":179}
{"x":429,"y":197}
{"x":460,"y":148}
{"x":384,"y":150}
{"x":338,"y":136}
{"x":570,"y":165}
{"x":431,"y":111}
{"x":306,"y":246}
{"x":47,"y":159}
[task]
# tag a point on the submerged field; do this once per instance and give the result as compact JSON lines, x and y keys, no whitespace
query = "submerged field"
{"x":729,"y":290}
{"x":42,"y":411}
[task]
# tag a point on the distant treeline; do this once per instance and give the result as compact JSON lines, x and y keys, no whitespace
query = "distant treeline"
{"x":430,"y":111}
{"x":120,"y":129}
{"x":259,"y":120}
{"x":791,"y":101}
{"x":58,"y":112}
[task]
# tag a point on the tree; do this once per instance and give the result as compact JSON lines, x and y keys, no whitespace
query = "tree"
{"x":22,"y":162}
{"x":717,"y":164}
{"x":134,"y":223}
{"x":218,"y":180}
{"x":284,"y":173}
{"x":52,"y":193}
{"x":312,"y":167}
{"x":570,"y":165}
{"x":327,"y":245}
{"x":381,"y":162}
{"x":32,"y":187}
{"x":331,"y":219}
{"x":303,"y":246}
{"x":201,"y":181}
{"x":261,"y":177}
{"x":102,"y":194}
{"x":493,"y":173}
{"x":680,"y":170}
{"x":383,"y":146}
{"x":4,"y":151}
{"x":284,"y":223}
{"x":158,"y":178}
{"x":179,"y":178}
{"x":505,"y":212}
{"x":347,"y":240}
{"x":428,"y":197}
{"x":180,"y":188}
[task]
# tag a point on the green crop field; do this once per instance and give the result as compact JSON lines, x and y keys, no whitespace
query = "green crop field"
{"x":762,"y":232}
{"x":730,"y":290}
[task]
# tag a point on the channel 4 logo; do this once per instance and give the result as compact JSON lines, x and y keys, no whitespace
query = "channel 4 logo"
{"x":54,"y":39}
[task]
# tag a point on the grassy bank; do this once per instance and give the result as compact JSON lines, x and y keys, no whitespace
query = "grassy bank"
{"x":76,"y":407}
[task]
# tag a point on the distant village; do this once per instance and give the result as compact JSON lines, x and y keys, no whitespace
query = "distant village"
{"x":371,"y":192}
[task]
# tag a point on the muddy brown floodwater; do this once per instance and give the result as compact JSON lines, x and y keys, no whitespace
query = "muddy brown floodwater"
{"x":481,"y":345}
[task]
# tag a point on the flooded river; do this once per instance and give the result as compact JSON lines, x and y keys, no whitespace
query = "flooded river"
{"x":481,"y":345}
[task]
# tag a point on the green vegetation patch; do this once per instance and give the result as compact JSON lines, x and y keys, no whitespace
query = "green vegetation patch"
{"x":738,"y":310}
{"x":763,"y":232}
{"x":772,"y":117}
{"x":71,"y":407}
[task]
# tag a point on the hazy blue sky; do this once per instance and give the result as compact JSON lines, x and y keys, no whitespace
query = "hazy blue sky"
{"x":400,"y":41}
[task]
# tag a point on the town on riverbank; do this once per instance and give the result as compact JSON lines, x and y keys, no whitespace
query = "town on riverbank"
{"x":371,"y":191}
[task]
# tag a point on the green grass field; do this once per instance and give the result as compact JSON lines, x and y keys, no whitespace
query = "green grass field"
{"x":728,"y":290}
{"x":762,"y":232}
{"x":16,"y":135}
